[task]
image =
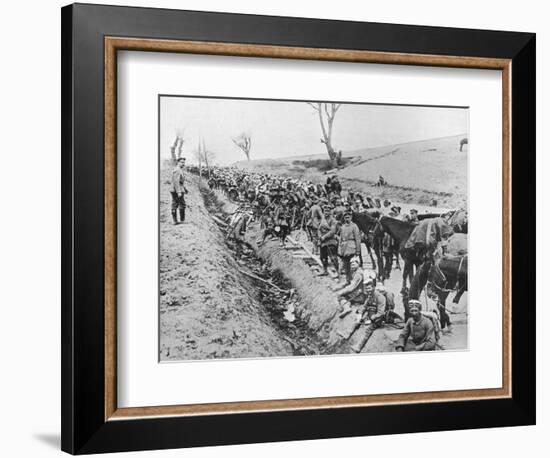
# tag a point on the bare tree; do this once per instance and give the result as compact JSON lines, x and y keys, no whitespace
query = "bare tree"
{"x":178,"y":141}
{"x":327,"y":112}
{"x":207,"y":156}
{"x":244,"y":142}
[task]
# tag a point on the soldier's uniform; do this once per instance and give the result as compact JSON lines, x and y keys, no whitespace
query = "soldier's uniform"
{"x":420,"y":332}
{"x":349,"y":246}
{"x":378,"y":309}
{"x":328,"y":241}
{"x":315,"y":217}
{"x":177,"y":192}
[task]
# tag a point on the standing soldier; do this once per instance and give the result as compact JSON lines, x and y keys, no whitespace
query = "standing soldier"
{"x":350,"y":244}
{"x":315,"y":218}
{"x":178,"y":191}
{"x":282,"y":216}
{"x":414,"y":216}
{"x":328,"y":242}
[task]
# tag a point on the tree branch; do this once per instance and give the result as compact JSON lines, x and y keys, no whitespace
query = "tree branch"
{"x":316,"y":108}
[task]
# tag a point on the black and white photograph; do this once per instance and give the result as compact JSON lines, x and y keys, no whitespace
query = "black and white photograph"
{"x":298,"y":228}
{"x":243,"y":229}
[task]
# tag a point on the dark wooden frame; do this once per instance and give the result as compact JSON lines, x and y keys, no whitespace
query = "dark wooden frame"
{"x":91,"y":36}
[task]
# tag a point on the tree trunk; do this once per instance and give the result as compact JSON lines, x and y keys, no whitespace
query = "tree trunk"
{"x":333,"y":157}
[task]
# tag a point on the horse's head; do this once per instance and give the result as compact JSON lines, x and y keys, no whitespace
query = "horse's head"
{"x":364,"y":221}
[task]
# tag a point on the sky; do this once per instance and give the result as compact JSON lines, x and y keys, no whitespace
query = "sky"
{"x":289,"y":128}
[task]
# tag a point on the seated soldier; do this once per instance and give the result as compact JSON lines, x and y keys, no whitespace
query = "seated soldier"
{"x":379,"y":310}
{"x":375,"y":303}
{"x":352,"y":294}
{"x":419,"y":329}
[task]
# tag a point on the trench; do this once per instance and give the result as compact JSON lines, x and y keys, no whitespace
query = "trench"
{"x":319,"y":328}
{"x":274,"y":292}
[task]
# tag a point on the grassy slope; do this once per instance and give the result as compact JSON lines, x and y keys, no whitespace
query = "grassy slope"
{"x":434,"y":165}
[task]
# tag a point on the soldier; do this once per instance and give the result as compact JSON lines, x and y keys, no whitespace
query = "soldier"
{"x":419,"y":329}
{"x":377,"y":310}
{"x":282,"y":216}
{"x":414,"y":216}
{"x":352,"y":294}
{"x":350,"y":244}
{"x":358,"y":206}
{"x":335,"y":185}
{"x":315,"y":217}
{"x":328,"y":228}
{"x":339,"y":209}
{"x":178,"y":191}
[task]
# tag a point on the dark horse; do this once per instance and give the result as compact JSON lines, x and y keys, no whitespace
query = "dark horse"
{"x":400,"y":232}
{"x":366,"y":222}
{"x":443,"y":276}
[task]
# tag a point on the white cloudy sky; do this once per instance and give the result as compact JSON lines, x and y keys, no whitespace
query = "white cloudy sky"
{"x":281,"y":129}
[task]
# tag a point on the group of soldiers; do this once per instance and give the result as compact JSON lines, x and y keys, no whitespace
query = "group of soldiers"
{"x":325,"y":212}
{"x":374,"y":306}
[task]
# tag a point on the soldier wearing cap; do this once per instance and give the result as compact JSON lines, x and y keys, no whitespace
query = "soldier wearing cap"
{"x":419,"y":331}
{"x":358,"y":206}
{"x":377,"y":310}
{"x":178,"y":191}
{"x":339,"y":209}
{"x":350,"y":244}
{"x":315,"y":217}
{"x":414,"y":216}
{"x":328,"y":242}
{"x":336,"y":187}
{"x":353,"y":294}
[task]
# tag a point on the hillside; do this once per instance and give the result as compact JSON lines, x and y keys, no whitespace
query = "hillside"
{"x":417,"y":172}
{"x":434,"y":165}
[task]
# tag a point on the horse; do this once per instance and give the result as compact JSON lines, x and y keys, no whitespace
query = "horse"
{"x":449,"y":273}
{"x":400,"y":232}
{"x":366,"y":222}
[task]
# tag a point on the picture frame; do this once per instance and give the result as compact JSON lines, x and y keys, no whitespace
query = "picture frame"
{"x":92,"y":35}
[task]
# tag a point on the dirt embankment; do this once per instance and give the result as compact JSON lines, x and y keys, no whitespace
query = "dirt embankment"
{"x":208,"y":309}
